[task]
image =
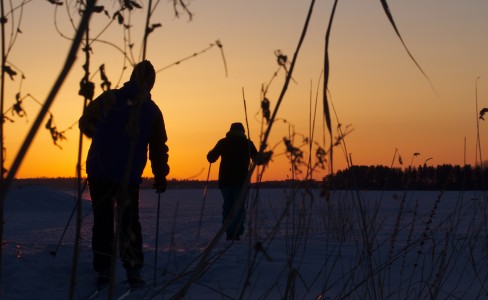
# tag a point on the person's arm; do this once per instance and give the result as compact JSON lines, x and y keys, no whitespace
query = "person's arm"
{"x":94,"y":112}
{"x":215,"y":153}
{"x":158,"y":153}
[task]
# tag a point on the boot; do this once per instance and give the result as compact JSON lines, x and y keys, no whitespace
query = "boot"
{"x":134,"y":278}
{"x":103,"y":279}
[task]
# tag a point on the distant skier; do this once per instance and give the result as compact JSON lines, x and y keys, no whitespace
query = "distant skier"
{"x":123,"y":124}
{"x":235,"y":151}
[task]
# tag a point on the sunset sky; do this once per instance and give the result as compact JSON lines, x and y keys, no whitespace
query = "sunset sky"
{"x":376,"y":89}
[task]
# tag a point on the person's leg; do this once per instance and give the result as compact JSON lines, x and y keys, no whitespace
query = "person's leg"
{"x":227,"y":206}
{"x":130,"y":243}
{"x":102,"y":196}
{"x":236,"y":226}
{"x":238,"y":223}
{"x":240,"y":217}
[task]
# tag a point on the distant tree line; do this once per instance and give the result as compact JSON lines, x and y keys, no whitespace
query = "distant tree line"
{"x":441,"y":177}
{"x":70,"y":183}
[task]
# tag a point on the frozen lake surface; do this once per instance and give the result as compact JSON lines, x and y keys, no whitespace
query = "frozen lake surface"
{"x":297,"y":245}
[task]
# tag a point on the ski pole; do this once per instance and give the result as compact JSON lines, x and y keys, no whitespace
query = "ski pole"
{"x":203,"y":202}
{"x":53,"y":253}
{"x":157,"y":239}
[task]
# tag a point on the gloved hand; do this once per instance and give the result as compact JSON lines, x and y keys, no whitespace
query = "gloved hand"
{"x":160,"y":185}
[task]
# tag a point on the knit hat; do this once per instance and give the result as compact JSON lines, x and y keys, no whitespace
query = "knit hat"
{"x":237,"y":127}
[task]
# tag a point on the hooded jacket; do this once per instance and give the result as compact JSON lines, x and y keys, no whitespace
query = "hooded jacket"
{"x":235,"y":151}
{"x":121,"y":138}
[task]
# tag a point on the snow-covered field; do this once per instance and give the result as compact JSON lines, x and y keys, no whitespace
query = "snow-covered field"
{"x":297,"y":245}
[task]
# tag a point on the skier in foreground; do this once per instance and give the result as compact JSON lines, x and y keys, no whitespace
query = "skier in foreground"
{"x":235,"y":151}
{"x":123,"y":124}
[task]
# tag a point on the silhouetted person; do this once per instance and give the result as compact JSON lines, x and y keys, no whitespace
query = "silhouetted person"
{"x":235,"y":151}
{"x":123,"y":124}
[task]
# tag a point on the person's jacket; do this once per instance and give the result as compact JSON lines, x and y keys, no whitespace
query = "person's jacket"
{"x":235,"y":151}
{"x":121,"y":136}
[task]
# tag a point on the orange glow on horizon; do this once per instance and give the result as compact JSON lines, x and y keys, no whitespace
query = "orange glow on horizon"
{"x":376,"y":91}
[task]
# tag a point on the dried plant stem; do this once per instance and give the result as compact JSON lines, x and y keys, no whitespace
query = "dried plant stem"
{"x":245,"y":114}
{"x":326,"y":82}
{"x":478,"y":153}
{"x":2,"y":162}
{"x":79,"y":207}
{"x":146,"y":30}
{"x":392,"y":21}
{"x":287,"y":81}
{"x":195,"y":54}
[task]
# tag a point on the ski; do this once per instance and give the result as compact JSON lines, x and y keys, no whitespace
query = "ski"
{"x":96,"y":293}
{"x":126,"y":293}
{"x":131,"y":290}
{"x":102,"y":291}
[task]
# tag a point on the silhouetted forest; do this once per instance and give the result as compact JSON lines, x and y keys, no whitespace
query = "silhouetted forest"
{"x":441,"y":177}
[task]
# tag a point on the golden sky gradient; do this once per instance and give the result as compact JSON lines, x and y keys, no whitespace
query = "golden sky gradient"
{"x":375,"y":87}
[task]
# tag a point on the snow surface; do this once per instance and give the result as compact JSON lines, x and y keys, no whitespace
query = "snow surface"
{"x":297,"y":245}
